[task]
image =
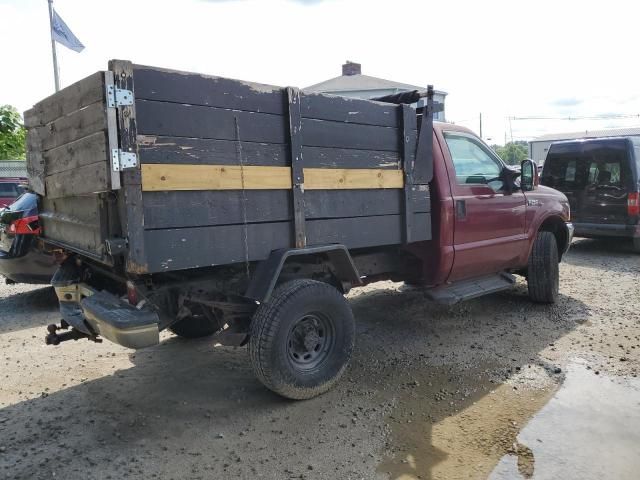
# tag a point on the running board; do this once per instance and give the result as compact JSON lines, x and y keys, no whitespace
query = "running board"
{"x":472,"y":288}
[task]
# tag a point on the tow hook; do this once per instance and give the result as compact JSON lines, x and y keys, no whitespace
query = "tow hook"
{"x":54,"y":338}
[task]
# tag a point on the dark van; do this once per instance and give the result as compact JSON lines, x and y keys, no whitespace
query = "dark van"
{"x":600,"y":178}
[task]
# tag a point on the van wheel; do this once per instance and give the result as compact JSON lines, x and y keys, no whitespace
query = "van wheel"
{"x":301,"y":340}
{"x":543,"y":273}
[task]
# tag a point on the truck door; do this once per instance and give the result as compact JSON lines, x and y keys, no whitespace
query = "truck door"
{"x":489,"y":227}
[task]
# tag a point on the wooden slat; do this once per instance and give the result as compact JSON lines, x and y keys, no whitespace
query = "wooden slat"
{"x":159,"y":177}
{"x":74,"y":97}
{"x":183,"y":87}
{"x":160,"y":118}
{"x":322,"y":133}
{"x":176,"y":249}
{"x":182,"y":150}
{"x":350,"y":178}
{"x":72,"y":155}
{"x":35,"y":171}
{"x":78,"y":181}
{"x":227,"y":207}
{"x":74,"y":126}
{"x":349,"y":110}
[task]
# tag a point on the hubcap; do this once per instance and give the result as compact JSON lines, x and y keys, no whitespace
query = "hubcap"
{"x":310,"y":341}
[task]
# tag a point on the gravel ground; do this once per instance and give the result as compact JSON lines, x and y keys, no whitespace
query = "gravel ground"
{"x":432,"y":391}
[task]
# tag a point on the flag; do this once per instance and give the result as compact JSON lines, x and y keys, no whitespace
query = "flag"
{"x":63,"y":34}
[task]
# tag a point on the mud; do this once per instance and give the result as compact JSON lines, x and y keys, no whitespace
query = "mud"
{"x":433,"y":392}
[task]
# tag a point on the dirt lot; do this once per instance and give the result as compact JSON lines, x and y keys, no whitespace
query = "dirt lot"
{"x":482,"y":389}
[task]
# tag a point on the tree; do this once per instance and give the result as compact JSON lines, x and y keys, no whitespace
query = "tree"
{"x":513,"y":152}
{"x":12,"y":134}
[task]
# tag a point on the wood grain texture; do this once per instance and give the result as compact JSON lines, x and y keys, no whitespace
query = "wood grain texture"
{"x":348,"y":110}
{"x":78,"y":181}
{"x":74,"y":97}
{"x":167,"y":177}
{"x":75,"y":154}
{"x":177,"y":249}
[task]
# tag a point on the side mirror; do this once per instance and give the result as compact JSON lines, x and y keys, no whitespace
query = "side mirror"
{"x":529,"y":173}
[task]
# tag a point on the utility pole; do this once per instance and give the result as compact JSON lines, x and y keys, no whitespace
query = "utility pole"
{"x":56,"y":75}
{"x":480,"y":124}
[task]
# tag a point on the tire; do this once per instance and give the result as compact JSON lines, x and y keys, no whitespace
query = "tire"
{"x":194,"y":327}
{"x":543,"y":272}
{"x":301,"y":340}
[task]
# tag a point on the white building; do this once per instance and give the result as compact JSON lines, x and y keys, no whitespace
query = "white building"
{"x":352,"y":83}
{"x":539,"y":146}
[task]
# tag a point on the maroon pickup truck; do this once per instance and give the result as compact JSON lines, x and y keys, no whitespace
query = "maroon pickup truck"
{"x":210,"y":206}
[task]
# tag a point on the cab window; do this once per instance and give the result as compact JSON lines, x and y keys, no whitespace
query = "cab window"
{"x":472,"y":162}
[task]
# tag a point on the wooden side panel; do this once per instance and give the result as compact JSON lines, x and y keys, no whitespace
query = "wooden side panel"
{"x":74,"y":97}
{"x":173,"y":249}
{"x":78,"y":181}
{"x":348,"y":110}
{"x":196,"y":89}
{"x":210,"y":208}
{"x":87,"y":150}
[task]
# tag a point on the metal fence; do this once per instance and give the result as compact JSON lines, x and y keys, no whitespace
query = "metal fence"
{"x":13,"y":169}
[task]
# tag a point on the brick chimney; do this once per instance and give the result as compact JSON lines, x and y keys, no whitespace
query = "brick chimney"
{"x":351,"y":68}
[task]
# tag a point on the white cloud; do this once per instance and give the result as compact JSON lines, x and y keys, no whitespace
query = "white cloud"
{"x":499,"y":58}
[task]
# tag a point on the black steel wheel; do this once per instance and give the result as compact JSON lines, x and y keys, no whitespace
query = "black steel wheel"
{"x":301,"y":340}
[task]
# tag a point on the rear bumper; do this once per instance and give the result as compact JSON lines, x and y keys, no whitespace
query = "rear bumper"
{"x":606,"y":230}
{"x":33,"y":267}
{"x":104,"y":314}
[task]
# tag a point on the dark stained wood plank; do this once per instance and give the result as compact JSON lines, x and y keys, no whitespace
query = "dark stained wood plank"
{"x":74,"y":97}
{"x":297,"y":167}
{"x":79,"y":181}
{"x":348,"y":110}
{"x":179,"y":209}
{"x":177,"y":249}
{"x":72,"y":155}
{"x":130,"y":198}
{"x":184,"y":87}
{"x":322,"y":133}
{"x":69,"y":128}
{"x":160,"y":118}
{"x":200,"y":151}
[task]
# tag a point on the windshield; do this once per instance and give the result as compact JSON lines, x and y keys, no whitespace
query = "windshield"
{"x":9,"y":189}
{"x":24,"y":203}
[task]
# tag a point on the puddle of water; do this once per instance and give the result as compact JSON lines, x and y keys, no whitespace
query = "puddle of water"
{"x":589,"y":430}
{"x":464,"y":427}
{"x":459,"y":429}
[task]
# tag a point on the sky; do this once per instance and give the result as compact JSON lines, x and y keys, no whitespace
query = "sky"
{"x":508,"y":60}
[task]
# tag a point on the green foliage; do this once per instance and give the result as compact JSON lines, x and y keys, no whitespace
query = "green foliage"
{"x":513,"y":152}
{"x":12,"y":134}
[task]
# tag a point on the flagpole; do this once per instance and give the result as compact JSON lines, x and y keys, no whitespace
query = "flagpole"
{"x":56,"y":75}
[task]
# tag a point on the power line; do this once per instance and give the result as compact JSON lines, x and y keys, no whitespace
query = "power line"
{"x":592,"y":117}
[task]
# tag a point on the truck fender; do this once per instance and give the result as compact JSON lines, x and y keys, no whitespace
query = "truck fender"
{"x":266,"y":275}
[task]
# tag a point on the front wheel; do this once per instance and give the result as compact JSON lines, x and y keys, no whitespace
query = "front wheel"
{"x":302,"y":339}
{"x":543,"y":272}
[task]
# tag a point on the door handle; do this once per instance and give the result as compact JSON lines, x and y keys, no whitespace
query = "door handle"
{"x":461,"y":209}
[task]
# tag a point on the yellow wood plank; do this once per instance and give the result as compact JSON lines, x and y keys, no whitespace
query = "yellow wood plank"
{"x":160,"y":177}
{"x":351,"y":178}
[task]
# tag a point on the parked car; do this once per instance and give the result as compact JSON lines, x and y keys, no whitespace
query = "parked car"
{"x":600,"y":178}
{"x":10,"y":189}
{"x":23,"y":256}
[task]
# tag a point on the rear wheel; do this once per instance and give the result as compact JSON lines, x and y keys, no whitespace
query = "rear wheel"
{"x":302,"y":339}
{"x":543,"y":272}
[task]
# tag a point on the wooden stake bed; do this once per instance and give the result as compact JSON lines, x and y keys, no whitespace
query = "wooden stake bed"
{"x":225,"y":171}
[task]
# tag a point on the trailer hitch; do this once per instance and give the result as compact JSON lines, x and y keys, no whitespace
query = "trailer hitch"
{"x":55,"y":338}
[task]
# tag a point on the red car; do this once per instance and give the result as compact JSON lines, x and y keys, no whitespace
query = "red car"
{"x":10,"y":189}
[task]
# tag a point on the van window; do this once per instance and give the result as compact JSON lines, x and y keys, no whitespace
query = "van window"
{"x":595,"y":168}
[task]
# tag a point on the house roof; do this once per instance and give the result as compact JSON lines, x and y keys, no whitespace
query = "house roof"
{"x":346,"y":83}
{"x":610,"y":132}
